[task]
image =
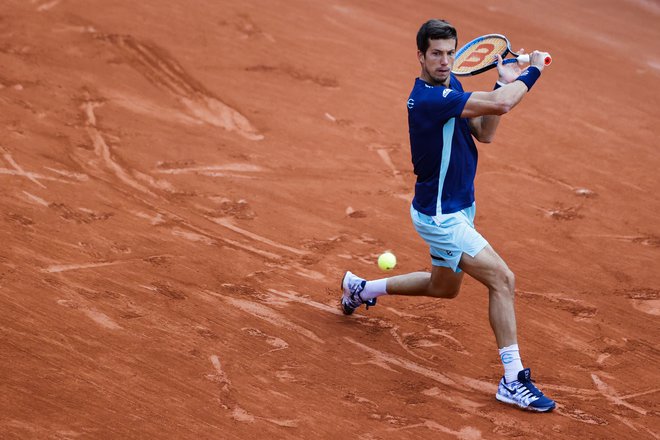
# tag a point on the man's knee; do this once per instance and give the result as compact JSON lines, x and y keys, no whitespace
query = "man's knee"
{"x":510,"y":279}
{"x":505,"y":282}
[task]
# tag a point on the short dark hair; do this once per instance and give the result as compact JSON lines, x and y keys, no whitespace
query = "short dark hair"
{"x":435,"y":29}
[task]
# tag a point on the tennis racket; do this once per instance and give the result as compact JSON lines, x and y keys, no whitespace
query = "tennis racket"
{"x":478,"y":55}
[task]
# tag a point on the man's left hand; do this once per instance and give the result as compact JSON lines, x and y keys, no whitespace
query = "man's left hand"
{"x":510,"y":71}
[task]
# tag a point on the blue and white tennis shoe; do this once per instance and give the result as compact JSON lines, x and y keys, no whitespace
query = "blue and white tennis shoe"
{"x":352,"y":286}
{"x":523,"y":393}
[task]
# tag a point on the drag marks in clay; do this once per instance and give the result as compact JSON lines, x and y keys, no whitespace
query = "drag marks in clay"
{"x":56,"y":268}
{"x":98,"y":317}
{"x":538,"y":176}
{"x":166,"y":290}
{"x":580,"y":309}
{"x":219,"y":376}
{"x":48,"y":5}
{"x":36,"y":178}
{"x":296,"y":74}
{"x":459,"y":383}
{"x":613,"y":397}
{"x":267,"y":314}
{"x":384,"y":360}
{"x":559,"y":211}
{"x":164,"y":72}
{"x":645,"y":300}
{"x":104,"y":154}
{"x":569,"y":410}
{"x":236,"y":170}
{"x":275,"y":342}
{"x":231,"y":226}
{"x":229,"y":403}
{"x":466,"y":433}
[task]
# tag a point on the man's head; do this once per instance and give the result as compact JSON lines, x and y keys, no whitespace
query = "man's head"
{"x":436,"y":49}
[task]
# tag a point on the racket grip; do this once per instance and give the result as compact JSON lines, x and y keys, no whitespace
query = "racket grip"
{"x":525,"y":58}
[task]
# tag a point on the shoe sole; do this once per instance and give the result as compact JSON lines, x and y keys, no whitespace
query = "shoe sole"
{"x":528,"y":407}
{"x":341,"y":304}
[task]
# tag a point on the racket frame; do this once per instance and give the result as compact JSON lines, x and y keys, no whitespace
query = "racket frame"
{"x":474,"y":42}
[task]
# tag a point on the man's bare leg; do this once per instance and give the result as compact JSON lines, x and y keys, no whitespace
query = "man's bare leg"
{"x":486,"y":267}
{"x":442,"y":282}
{"x":489,"y":269}
{"x":516,"y":387}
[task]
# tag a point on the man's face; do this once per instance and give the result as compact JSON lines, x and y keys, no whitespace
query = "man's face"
{"x":438,"y":60}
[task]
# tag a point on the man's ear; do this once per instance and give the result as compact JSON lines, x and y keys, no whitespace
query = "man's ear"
{"x":420,"y":56}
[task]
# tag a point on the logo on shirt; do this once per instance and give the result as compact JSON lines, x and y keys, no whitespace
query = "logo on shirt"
{"x":446,"y":92}
{"x":411,"y":103}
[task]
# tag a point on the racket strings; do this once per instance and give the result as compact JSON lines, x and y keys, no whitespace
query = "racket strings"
{"x":479,"y":54}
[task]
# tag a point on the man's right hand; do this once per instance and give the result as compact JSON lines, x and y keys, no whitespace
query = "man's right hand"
{"x":537,"y":59}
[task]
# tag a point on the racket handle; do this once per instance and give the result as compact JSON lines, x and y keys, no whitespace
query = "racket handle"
{"x":525,"y":58}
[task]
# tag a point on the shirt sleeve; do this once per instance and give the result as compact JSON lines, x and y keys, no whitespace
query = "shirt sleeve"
{"x":444,"y":103}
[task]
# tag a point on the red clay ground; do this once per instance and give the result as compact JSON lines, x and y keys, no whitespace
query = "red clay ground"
{"x":184,"y":185}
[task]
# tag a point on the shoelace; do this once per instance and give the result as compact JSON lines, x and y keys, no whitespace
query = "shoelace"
{"x":530,"y":388}
{"x":355,"y":289}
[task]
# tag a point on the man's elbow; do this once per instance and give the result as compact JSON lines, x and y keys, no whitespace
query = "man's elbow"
{"x":503,"y":107}
{"x":486,"y":139}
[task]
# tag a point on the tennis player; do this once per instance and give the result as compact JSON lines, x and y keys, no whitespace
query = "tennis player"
{"x":442,"y":121}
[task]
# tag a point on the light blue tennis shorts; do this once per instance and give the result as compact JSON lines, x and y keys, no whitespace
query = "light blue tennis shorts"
{"x":449,"y":235}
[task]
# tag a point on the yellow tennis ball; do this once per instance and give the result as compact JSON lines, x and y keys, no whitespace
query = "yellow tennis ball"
{"x":386,"y":261}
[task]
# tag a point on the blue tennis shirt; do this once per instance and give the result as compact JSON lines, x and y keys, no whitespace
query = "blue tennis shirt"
{"x":444,"y":155}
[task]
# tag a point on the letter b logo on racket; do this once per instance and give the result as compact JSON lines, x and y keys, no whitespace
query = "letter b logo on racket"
{"x":478,"y":55}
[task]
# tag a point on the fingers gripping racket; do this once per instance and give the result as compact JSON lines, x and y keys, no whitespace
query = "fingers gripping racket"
{"x":478,"y":55}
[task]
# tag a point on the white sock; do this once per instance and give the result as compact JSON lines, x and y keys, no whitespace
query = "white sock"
{"x":374,"y":289}
{"x":510,"y":357}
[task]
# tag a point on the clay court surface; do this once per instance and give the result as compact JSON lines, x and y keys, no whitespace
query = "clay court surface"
{"x":184,"y":184}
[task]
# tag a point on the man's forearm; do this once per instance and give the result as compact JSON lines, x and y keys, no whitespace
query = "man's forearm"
{"x":489,"y":125}
{"x":511,"y":93}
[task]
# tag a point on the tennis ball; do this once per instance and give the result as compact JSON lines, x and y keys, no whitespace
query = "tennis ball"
{"x":386,"y":261}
